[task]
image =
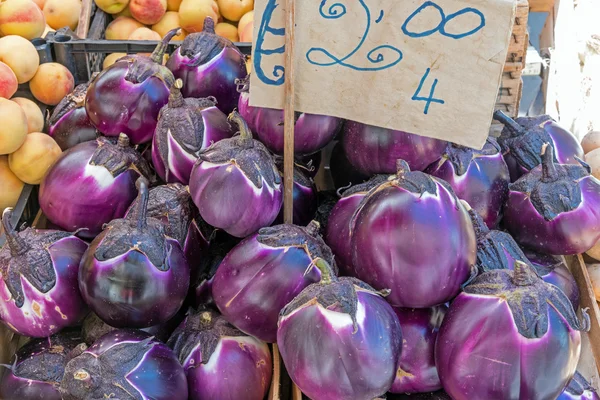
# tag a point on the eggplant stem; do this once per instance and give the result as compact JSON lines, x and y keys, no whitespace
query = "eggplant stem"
{"x":142,"y":211}
{"x":123,"y":141}
{"x":313,"y":228}
{"x":17,"y":245}
{"x":402,"y":168}
{"x":549,"y":173}
{"x":524,"y":275}
{"x":508,"y":122}
{"x":236,"y":118}
{"x":159,"y":52}
{"x":327,"y":276}
{"x":209,"y":25}
{"x":175,"y":97}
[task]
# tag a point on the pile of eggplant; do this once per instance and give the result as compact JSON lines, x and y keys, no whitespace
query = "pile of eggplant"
{"x":433,"y":272}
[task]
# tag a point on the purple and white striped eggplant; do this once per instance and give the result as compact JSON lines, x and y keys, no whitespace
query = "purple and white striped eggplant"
{"x":416,"y":370}
{"x":398,"y":233}
{"x":337,"y":234}
{"x":579,"y":389}
{"x":134,"y":275}
{"x":373,"y":150}
{"x":339,"y":339}
{"x":498,"y":250}
{"x":127,"y":96}
{"x":304,"y":194}
{"x":236,"y":185}
{"x":185,"y":127}
{"x":91,"y":184}
{"x":39,"y":367}
{"x":554,"y":208}
{"x":209,"y":65}
{"x":38,"y":291}
{"x":172,"y":205}
{"x":264,"y":273}
{"x":505,"y":319}
{"x":522,"y":142}
{"x":125,"y":364}
{"x":311,"y":132}
{"x":69,"y":124}
{"x":478,"y":176}
{"x":220,"y":361}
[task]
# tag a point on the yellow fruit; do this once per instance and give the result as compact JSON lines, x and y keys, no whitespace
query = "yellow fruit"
{"x":61,"y":13}
{"x":11,"y":185}
{"x":112,"y":6}
{"x":168,"y":22}
{"x":33,"y":159}
{"x":21,"y":17}
{"x":35,"y":118}
{"x":111,"y":59}
{"x":13,"y":129}
{"x":193,"y":12}
{"x":51,"y":83}
{"x":227,"y":30}
{"x":233,"y":10}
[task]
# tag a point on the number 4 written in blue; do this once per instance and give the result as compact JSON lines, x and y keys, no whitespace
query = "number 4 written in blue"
{"x":417,"y":96}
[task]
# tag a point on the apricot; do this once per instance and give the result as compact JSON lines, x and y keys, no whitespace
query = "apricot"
{"x":148,"y":12}
{"x":33,"y":159}
{"x":21,"y":17}
{"x":168,"y":22}
{"x":112,"y":6}
{"x":144,"y":34}
{"x":121,"y":28}
{"x":40,"y":3}
{"x":246,"y":36}
{"x":173,"y":5}
{"x":111,"y":59}
{"x":8,"y":81}
{"x":233,"y":10}
{"x":20,"y":55}
{"x":35,"y":118}
{"x":246,"y":18}
{"x":11,"y":185}
{"x":61,"y":13}
{"x":193,"y":12}
{"x":13,"y":128}
{"x":227,"y":30}
{"x":51,"y":83}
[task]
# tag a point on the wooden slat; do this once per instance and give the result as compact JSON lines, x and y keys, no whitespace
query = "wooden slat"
{"x":587,"y":300}
{"x":84,"y":18}
{"x":275,"y":390}
{"x":289,"y":113}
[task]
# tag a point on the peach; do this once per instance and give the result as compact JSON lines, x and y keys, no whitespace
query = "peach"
{"x":168,"y":22}
{"x":11,"y":185}
{"x":40,"y":3}
{"x":8,"y":81}
{"x":227,"y":30}
{"x":121,"y":28}
{"x":247,"y":18}
{"x":35,"y":118}
{"x":33,"y":159}
{"x":20,"y":55}
{"x":193,"y":12}
{"x":173,"y":5}
{"x":13,"y":129}
{"x":51,"y":83}
{"x":111,"y":59}
{"x":148,"y":12}
{"x":233,"y":10}
{"x":144,"y":34}
{"x":21,"y":17}
{"x":246,"y":36}
{"x":61,"y":13}
{"x":125,"y":13}
{"x":112,"y":6}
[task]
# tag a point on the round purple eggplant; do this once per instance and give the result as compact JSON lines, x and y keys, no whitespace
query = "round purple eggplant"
{"x":311,"y":132}
{"x":554,"y":208}
{"x":264,"y":273}
{"x":236,"y":185}
{"x":339,"y":339}
{"x":185,"y":127}
{"x":39,"y":368}
{"x":373,"y":150}
{"x":221,"y":362}
{"x":209,"y":65}
{"x":91,"y":184}
{"x":172,"y":204}
{"x":416,"y":370}
{"x":342,"y":172}
{"x":134,"y":275}
{"x":69,"y":124}
{"x":522,"y":142}
{"x":579,"y":389}
{"x":127,"y":96}
{"x":409,"y":234}
{"x":505,"y":319}
{"x":304,"y":195}
{"x":125,"y":364}
{"x":478,"y":176}
{"x":337,"y":234}
{"x":38,"y":289}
